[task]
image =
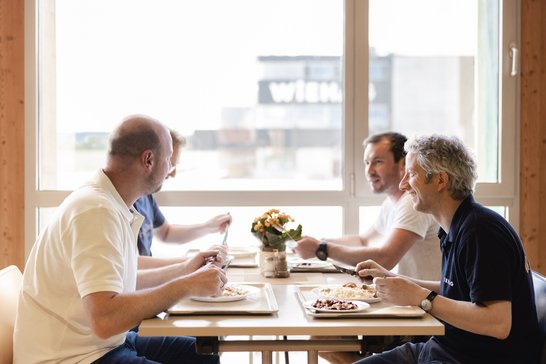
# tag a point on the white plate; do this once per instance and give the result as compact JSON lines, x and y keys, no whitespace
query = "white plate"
{"x":242,"y":252}
{"x":361,"y":306}
{"x":317,"y":291}
{"x":303,"y":264}
{"x":250,"y":290}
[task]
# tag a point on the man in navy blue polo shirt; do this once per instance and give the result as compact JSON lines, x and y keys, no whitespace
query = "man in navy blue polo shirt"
{"x":485,"y":297}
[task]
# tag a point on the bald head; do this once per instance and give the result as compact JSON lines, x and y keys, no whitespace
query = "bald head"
{"x":139,"y":152}
{"x":135,"y":134}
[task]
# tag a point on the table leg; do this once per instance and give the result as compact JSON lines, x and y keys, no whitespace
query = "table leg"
{"x":267,"y":357}
{"x":312,"y":357}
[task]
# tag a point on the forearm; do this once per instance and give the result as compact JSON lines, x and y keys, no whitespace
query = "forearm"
{"x":430,"y":285}
{"x":488,"y":318}
{"x":156,"y":276}
{"x":493,"y":319}
{"x":145,"y":262}
{"x":184,"y":233}
{"x":110,"y":313}
{"x":349,"y":240}
{"x":354,"y":255}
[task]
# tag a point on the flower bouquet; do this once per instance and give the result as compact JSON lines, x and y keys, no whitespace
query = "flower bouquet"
{"x":271,"y":229}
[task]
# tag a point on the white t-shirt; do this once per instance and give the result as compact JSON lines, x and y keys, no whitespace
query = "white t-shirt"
{"x":423,"y":260}
{"x":90,"y":245}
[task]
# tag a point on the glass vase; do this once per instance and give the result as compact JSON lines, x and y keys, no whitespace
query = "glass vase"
{"x":272,"y":263}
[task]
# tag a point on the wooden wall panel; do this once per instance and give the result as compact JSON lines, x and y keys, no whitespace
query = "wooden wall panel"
{"x":533,"y":132}
{"x":11,"y":133}
{"x":12,"y":123}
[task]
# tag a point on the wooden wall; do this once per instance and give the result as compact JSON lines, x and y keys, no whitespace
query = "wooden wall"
{"x":12,"y":132}
{"x":533,"y":132}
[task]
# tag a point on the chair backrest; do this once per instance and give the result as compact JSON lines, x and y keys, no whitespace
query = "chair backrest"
{"x":10,"y":285}
{"x":539,"y":283}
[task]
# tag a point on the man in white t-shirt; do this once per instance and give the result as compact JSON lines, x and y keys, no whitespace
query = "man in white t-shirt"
{"x":400,"y":235}
{"x":82,"y":292}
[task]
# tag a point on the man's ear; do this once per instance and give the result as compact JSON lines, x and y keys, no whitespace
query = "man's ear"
{"x":443,"y":179}
{"x":147,"y":159}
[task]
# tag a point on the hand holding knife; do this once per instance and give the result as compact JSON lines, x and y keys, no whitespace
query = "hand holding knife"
{"x":349,"y":269}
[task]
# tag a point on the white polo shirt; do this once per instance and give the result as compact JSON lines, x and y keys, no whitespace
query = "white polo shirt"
{"x":90,"y":245}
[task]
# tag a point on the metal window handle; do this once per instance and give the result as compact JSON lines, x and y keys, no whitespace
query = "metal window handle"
{"x":514,"y":58}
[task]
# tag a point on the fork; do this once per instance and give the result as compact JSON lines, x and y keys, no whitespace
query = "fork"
{"x":224,"y":242}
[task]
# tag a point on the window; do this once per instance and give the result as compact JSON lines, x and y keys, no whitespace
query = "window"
{"x":270,"y":95}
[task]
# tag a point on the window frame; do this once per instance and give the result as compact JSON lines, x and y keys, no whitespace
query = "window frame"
{"x":355,"y":191}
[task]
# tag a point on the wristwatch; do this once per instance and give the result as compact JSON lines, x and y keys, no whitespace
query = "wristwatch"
{"x":426,"y":304}
{"x":322,"y":252}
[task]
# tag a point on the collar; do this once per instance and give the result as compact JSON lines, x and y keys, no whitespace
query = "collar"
{"x":102,"y":180}
{"x":456,"y":222}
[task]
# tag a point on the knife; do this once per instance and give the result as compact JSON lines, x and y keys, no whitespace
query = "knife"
{"x":349,"y":269}
{"x":345,"y":268}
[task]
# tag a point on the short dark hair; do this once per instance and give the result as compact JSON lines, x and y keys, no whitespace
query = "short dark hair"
{"x":397,"y":141}
{"x":178,"y":139}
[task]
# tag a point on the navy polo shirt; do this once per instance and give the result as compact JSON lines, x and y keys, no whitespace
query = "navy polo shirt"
{"x":153,"y":218}
{"x":483,"y":260}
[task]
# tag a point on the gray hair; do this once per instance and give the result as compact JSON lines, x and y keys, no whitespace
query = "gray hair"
{"x":439,"y":153}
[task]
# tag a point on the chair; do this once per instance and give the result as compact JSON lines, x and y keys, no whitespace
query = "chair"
{"x":539,"y":282}
{"x":10,"y":284}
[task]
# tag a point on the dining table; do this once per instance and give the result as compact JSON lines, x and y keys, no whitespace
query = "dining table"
{"x":278,"y":318}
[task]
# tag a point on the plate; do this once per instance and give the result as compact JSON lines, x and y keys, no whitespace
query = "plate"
{"x":242,"y":252}
{"x":337,"y":291}
{"x":248,"y":290}
{"x":302,"y":264}
{"x":360,"y":306}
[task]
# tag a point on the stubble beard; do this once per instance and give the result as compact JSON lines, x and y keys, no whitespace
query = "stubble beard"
{"x":153,"y":185}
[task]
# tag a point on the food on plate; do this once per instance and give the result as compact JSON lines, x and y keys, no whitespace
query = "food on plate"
{"x":230,"y":291}
{"x":334,"y":305}
{"x":350,"y":291}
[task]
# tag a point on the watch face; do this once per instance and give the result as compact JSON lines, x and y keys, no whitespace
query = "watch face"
{"x":321,"y":252}
{"x":321,"y":255}
{"x":426,"y":305}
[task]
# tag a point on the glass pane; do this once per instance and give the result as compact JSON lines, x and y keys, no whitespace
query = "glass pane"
{"x":434,"y":68}
{"x":367,"y":217}
{"x":258,"y":93}
{"x":311,"y":219}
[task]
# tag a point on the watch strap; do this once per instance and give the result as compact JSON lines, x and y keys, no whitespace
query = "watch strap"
{"x":432,"y":295}
{"x":322,"y":251}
